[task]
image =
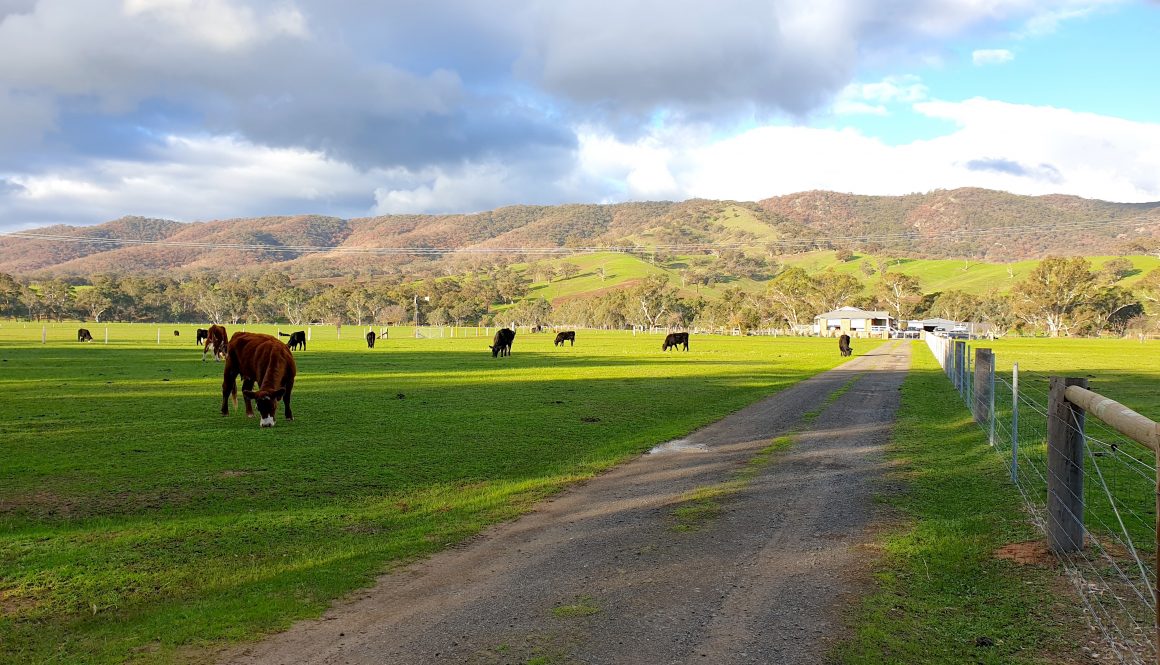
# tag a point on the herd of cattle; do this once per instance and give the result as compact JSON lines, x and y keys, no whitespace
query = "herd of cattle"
{"x":263,"y":361}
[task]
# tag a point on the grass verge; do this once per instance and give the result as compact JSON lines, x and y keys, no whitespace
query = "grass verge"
{"x":941,"y":596}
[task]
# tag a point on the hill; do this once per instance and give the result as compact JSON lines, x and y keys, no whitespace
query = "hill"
{"x":963,"y":223}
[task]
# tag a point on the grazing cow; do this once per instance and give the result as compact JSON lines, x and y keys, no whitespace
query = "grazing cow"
{"x":371,"y":339}
{"x":83,"y":335}
{"x":673,"y":340}
{"x":177,"y":333}
{"x":262,"y":361}
{"x":537,"y":329}
{"x":568,"y":336}
{"x":215,"y":339}
{"x":502,"y":344}
{"x":297,"y":341}
{"x":202,"y":335}
{"x":844,"y":345}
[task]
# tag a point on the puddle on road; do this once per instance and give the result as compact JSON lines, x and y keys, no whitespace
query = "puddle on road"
{"x":679,"y":446}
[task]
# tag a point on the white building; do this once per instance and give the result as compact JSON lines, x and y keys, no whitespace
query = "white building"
{"x":853,"y":322}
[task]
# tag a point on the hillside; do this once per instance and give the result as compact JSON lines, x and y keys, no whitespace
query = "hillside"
{"x":962,"y":223}
{"x":969,"y":222}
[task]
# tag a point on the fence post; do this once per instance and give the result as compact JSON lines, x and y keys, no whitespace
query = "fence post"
{"x":991,"y":405}
{"x":984,"y":380}
{"x":1015,"y":423}
{"x":44,"y":334}
{"x":1065,"y":441}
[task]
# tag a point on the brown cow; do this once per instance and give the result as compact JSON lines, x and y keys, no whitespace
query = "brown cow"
{"x":844,"y":345}
{"x":216,"y":340}
{"x":83,"y":335}
{"x":261,"y":360}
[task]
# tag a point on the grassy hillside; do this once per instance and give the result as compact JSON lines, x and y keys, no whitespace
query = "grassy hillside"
{"x":944,"y":274}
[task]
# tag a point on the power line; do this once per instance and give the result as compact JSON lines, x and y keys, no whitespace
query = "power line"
{"x":942,"y":236}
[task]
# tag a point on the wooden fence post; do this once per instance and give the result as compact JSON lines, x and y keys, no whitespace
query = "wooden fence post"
{"x":1065,"y":442}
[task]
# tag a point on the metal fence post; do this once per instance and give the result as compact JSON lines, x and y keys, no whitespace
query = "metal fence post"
{"x":982,"y":387}
{"x":1065,"y":441}
{"x":1015,"y":423}
{"x":991,"y":406}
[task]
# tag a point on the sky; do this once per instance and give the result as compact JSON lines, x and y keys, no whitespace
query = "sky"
{"x":211,"y":109}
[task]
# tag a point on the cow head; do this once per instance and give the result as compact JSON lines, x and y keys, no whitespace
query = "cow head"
{"x":494,"y":351}
{"x":267,"y":404}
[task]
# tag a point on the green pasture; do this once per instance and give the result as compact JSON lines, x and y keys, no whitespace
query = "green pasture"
{"x":945,"y":274}
{"x":138,"y":525}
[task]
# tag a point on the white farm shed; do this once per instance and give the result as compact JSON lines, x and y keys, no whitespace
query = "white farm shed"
{"x":853,"y":322}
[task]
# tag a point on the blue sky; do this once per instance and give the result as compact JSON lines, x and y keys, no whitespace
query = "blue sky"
{"x":204,"y":109}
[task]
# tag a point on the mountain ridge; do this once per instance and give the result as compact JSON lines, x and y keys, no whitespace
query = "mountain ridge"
{"x":959,"y":223}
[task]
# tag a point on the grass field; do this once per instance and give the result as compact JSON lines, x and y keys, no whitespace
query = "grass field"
{"x":138,"y":525}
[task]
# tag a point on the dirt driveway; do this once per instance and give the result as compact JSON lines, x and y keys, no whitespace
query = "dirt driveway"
{"x":627,"y":569}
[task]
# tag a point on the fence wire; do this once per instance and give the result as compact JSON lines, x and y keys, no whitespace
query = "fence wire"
{"x":1113,"y":570}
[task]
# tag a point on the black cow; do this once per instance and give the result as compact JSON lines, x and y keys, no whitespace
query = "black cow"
{"x":844,"y":346}
{"x":297,"y":340}
{"x":371,"y":340}
{"x":567,"y":336}
{"x":202,"y":335}
{"x":83,"y":335}
{"x":673,"y":340}
{"x":537,"y":329}
{"x":177,"y":333}
{"x":502,"y":344}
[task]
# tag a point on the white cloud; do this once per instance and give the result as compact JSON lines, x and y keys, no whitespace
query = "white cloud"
{"x":1022,"y":149}
{"x":873,"y":98}
{"x":995,"y":56}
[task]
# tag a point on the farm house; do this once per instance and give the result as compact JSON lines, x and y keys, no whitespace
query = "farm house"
{"x":854,"y":322}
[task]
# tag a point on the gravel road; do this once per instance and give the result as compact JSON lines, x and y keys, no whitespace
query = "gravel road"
{"x":605,"y":573}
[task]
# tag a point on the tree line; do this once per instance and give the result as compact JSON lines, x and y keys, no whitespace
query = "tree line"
{"x":1061,"y":296}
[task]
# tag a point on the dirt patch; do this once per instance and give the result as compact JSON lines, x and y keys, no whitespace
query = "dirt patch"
{"x":231,"y":473}
{"x":11,"y":605}
{"x":1029,"y":553}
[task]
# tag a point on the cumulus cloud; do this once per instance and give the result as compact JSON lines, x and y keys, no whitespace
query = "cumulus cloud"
{"x":110,"y":107}
{"x":1018,"y":148}
{"x":995,"y":56}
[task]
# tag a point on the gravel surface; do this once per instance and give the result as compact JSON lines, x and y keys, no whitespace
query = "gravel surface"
{"x":605,"y":573}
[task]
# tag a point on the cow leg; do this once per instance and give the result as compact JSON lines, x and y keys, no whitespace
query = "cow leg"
{"x":229,"y":385}
{"x":247,"y":386}
{"x":286,"y":401}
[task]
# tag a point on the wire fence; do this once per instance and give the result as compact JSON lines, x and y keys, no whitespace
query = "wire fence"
{"x":1111,"y":562}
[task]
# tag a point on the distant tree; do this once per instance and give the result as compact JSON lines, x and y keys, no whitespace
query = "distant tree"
{"x":1148,"y":290}
{"x":532,"y":312}
{"x":791,"y":294}
{"x":867,"y":267}
{"x":30,"y":299}
{"x":93,"y":303}
{"x":654,"y":297}
{"x":9,"y":294}
{"x":844,"y":255}
{"x":833,"y":290}
{"x":899,"y":293}
{"x":1053,"y":293}
{"x":998,"y":311}
{"x":1116,"y":269}
{"x":1110,"y":308}
{"x":956,"y":305}
{"x":567,"y":270}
